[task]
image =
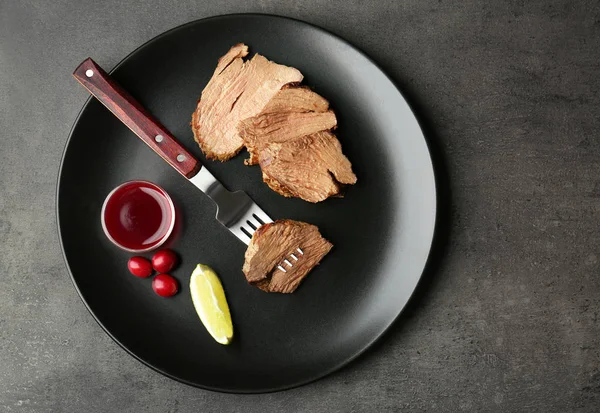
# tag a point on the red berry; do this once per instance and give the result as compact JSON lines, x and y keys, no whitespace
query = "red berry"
{"x":139,"y":266}
{"x":165,"y":285}
{"x":164,"y":260}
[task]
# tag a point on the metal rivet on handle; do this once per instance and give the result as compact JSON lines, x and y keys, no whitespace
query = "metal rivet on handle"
{"x":180,"y":158}
{"x":158,"y":138}
{"x":89,"y":73}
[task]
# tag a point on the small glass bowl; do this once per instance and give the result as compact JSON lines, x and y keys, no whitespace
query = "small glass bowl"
{"x":138,"y":216}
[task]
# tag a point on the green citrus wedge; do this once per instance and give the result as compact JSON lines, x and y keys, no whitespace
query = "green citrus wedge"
{"x":210,"y":303}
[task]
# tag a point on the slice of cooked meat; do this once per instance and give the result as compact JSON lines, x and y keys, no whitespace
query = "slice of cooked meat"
{"x":311,"y":167}
{"x":295,"y":111}
{"x":273,"y":243}
{"x":237,"y":90}
{"x":295,"y":98}
{"x":291,"y":141}
{"x":279,"y":127}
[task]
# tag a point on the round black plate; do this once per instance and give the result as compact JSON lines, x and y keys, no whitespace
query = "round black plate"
{"x":382,"y":230}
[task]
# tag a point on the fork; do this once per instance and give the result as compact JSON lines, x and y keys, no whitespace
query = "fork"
{"x":235,"y":210}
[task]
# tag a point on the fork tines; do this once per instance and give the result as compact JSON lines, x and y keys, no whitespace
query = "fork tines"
{"x":252,"y":220}
{"x":288,"y":263}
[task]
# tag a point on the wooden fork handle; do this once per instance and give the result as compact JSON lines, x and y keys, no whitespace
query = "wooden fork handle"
{"x":135,"y":117}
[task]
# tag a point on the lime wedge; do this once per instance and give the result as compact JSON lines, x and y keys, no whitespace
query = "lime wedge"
{"x":210,"y":303}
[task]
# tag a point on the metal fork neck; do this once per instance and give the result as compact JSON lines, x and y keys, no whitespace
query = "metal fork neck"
{"x":205,"y":181}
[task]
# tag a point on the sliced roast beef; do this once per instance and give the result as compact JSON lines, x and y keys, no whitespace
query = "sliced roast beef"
{"x":286,"y":127}
{"x":311,"y":167}
{"x":280,"y":127}
{"x":296,"y":98}
{"x":237,"y":90}
{"x":274,"y":243}
{"x":292,"y":142}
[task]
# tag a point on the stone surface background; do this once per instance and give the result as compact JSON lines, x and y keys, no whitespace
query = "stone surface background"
{"x":507,"y":318}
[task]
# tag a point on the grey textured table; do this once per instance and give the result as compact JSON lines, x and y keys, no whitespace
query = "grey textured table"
{"x":506,"y":319}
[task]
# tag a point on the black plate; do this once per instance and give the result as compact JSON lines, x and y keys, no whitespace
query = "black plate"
{"x":382,"y":230}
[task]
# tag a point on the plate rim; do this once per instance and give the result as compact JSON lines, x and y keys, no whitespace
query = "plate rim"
{"x":346,"y":361}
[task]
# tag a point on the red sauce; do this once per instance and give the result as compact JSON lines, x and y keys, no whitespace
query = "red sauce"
{"x":138,"y":215}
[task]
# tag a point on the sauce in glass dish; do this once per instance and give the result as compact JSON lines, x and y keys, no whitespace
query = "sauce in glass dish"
{"x":138,"y":216}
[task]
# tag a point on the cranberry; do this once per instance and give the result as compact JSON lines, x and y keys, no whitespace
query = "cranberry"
{"x":140,"y":267}
{"x":164,"y":260}
{"x":165,"y":285}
